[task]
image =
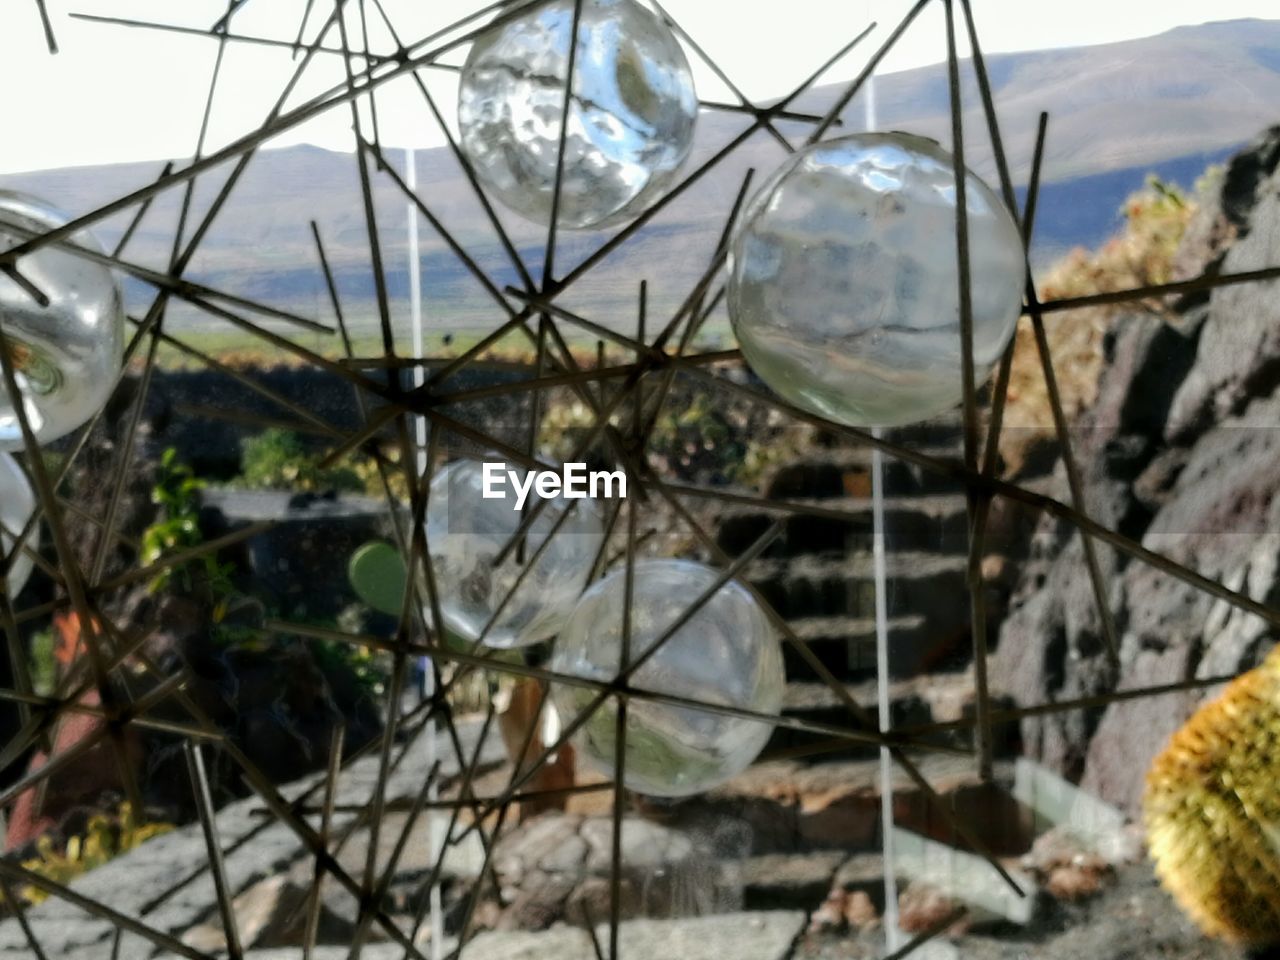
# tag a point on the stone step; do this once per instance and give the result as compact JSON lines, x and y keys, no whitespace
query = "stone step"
{"x":922,"y":584}
{"x":811,"y":586}
{"x":853,"y":566}
{"x":846,"y":472}
{"x":863,"y":873}
{"x":796,"y":804}
{"x":845,"y":645}
{"x":947,"y":429}
{"x":938,"y":698}
{"x":832,"y":605}
{"x":937,"y":523}
{"x":795,"y":881}
{"x":758,"y":935}
{"x":943,"y":696}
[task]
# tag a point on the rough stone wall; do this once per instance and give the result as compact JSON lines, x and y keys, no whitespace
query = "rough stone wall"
{"x":1182,"y":453}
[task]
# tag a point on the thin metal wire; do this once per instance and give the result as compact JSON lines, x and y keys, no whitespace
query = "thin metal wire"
{"x":555,"y":368}
{"x":209,"y":826}
{"x":50,"y":40}
{"x":974,"y":577}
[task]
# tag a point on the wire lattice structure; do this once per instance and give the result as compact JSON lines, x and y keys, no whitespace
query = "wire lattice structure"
{"x":661,"y":352}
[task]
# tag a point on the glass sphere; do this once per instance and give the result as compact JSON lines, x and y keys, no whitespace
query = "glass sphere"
{"x":844,"y":286}
{"x":631,"y":117}
{"x":726,"y":654}
{"x":68,"y":354}
{"x":17,"y":504}
{"x":465,"y":533}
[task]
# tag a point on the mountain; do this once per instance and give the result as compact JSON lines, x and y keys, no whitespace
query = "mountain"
{"x":1169,"y":104}
{"x":1112,"y":106}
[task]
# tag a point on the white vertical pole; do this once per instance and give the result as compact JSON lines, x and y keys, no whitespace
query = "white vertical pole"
{"x":893,"y":936}
{"x":435,"y":840}
{"x":871,"y":118}
{"x":891,"y":932}
{"x":415,"y":296}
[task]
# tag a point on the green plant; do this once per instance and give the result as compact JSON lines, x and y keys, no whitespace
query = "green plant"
{"x":698,"y":440}
{"x":279,"y":460}
{"x":368,"y":667}
{"x":43,"y":664}
{"x":367,"y":472}
{"x":177,"y":493}
{"x":775,"y":441}
{"x":695,"y":438}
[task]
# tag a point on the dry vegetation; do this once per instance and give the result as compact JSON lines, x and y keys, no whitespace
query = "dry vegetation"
{"x":1141,"y":253}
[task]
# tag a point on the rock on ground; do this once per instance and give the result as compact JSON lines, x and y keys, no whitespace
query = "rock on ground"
{"x":1134,"y":919}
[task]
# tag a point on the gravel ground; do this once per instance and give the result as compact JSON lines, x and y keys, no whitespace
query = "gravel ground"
{"x":1132,"y":920}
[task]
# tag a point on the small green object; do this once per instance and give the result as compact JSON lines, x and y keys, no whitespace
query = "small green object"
{"x":378,"y":576}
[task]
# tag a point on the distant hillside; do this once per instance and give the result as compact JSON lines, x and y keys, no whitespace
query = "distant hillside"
{"x":1169,"y":104}
{"x":1112,"y":106}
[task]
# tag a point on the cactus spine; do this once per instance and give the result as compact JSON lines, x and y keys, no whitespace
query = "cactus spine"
{"x":1212,"y":811}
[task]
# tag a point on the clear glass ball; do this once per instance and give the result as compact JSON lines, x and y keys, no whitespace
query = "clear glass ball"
{"x":631,"y":116}
{"x":844,"y":285}
{"x":727,"y":654}
{"x":68,"y":354}
{"x":465,"y":533}
{"x":17,"y":504}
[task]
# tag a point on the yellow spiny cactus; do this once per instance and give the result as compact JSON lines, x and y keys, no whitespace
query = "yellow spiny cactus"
{"x":1212,"y":810}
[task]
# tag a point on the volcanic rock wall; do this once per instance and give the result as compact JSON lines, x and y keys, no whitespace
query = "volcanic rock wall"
{"x":1182,"y":453}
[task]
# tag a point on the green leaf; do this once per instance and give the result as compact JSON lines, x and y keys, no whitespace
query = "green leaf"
{"x":378,"y":575}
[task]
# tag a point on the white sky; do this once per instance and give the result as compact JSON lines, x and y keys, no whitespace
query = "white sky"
{"x":96,"y":101}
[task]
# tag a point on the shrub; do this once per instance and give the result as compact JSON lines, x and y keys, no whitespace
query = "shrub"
{"x":696,"y":438}
{"x":177,"y":493}
{"x":279,"y":460}
{"x":1140,"y":254}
